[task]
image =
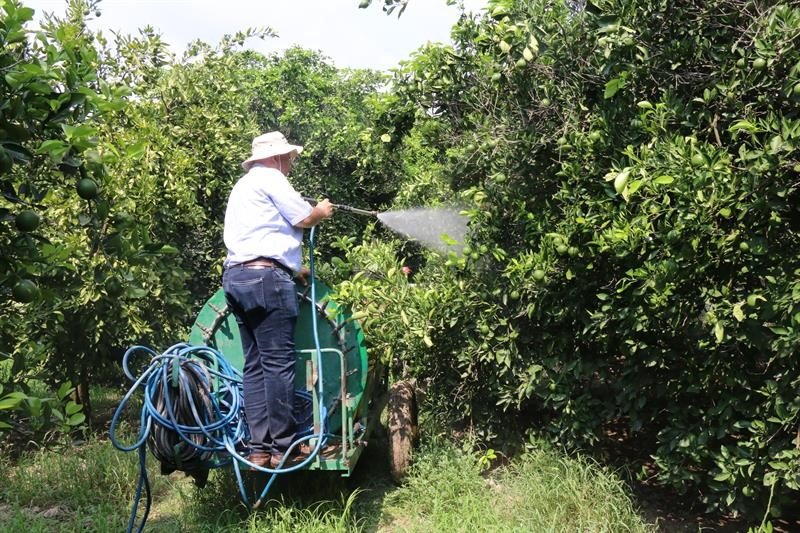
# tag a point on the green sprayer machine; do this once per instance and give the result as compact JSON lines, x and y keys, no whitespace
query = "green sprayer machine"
{"x":192,"y":416}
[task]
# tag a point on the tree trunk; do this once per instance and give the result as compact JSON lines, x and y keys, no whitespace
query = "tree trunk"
{"x":81,"y":394}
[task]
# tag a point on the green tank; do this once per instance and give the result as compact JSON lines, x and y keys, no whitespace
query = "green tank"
{"x":349,"y":378}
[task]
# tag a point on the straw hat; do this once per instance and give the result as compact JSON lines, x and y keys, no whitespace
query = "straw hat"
{"x":269,"y":145}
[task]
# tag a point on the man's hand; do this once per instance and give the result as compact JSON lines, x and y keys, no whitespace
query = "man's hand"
{"x":321,"y":211}
{"x":326,"y":207}
{"x":302,"y":276}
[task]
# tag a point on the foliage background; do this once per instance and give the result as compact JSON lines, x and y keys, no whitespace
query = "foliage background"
{"x":630,"y":170}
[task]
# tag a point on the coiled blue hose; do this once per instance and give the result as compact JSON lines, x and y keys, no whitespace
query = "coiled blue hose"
{"x":198,"y":381}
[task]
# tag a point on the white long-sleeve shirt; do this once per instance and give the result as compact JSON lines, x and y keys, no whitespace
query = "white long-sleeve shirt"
{"x":260,"y":219}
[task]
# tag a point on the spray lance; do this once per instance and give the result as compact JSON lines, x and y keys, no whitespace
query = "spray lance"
{"x":427,"y":226}
{"x":343,"y":207}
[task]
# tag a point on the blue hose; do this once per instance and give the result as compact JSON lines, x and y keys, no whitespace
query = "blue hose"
{"x":219,"y":427}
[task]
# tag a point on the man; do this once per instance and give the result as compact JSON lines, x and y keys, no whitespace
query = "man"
{"x":264,"y":223}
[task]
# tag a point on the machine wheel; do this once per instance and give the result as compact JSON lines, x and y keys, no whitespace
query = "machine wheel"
{"x":403,"y":429}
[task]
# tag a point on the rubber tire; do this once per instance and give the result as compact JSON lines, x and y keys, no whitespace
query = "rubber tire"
{"x":402,"y":427}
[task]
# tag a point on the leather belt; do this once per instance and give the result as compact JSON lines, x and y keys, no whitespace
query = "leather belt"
{"x":261,"y":262}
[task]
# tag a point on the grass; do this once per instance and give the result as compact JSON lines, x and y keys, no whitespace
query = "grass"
{"x":90,"y":487}
{"x":538,"y":491}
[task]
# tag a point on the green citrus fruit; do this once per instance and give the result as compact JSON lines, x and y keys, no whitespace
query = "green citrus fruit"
{"x":743,"y":246}
{"x":740,"y":63}
{"x":698,"y":160}
{"x":113,"y":243}
{"x":562,"y":248}
{"x":25,"y":291}
{"x":538,"y":274}
{"x":123,"y":218}
{"x":572,"y":251}
{"x":514,"y":295}
{"x":545,"y":102}
{"x":87,"y":189}
{"x":620,"y":182}
{"x":114,"y":287}
{"x":484,"y":329}
{"x":27,"y":220}
{"x":796,"y":89}
{"x":595,"y":136}
{"x":5,"y":162}
{"x":759,"y":63}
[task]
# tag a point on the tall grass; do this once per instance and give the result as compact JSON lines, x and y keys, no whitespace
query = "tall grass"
{"x":541,"y":490}
{"x":90,"y":488}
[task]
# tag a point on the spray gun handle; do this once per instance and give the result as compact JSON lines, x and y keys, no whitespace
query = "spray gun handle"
{"x":344,"y":207}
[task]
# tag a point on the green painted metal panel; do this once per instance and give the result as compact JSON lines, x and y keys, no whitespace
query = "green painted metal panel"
{"x":216,"y":327}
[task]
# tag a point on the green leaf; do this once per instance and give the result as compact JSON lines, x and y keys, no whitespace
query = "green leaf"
{"x":664,"y":180}
{"x":9,"y":403}
{"x":71,"y":408}
{"x":55,"y":148}
{"x":738,"y":314}
{"x":613,"y":86}
{"x":136,"y":150}
{"x":65,"y":390}
{"x":527,"y":54}
{"x":744,"y":125}
{"x":76,"y":419}
{"x":719,"y":332}
{"x":35,"y":406}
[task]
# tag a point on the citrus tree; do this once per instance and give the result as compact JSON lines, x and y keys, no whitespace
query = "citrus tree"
{"x":631,"y":174}
{"x":117,"y":159}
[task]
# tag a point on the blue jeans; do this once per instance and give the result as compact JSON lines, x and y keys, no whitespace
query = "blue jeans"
{"x":264,"y":302}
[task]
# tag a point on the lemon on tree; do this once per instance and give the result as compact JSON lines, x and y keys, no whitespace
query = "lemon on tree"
{"x":5,"y":162}
{"x":26,"y":220}
{"x":114,"y":287}
{"x":538,"y":274}
{"x":87,"y":189}
{"x":25,"y":291}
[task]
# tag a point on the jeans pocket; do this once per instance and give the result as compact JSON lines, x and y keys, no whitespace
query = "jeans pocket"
{"x":247,"y":293}
{"x":286,"y":294}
